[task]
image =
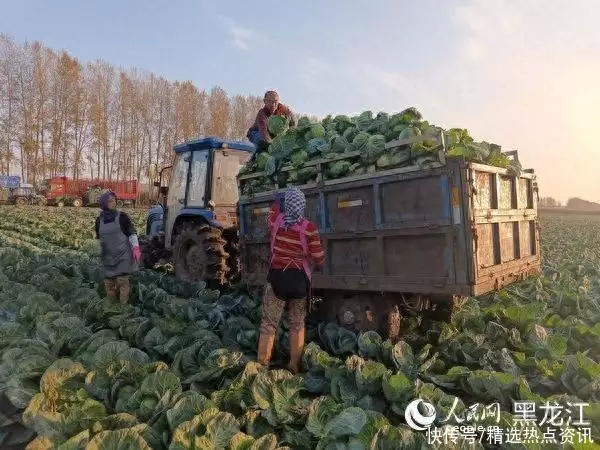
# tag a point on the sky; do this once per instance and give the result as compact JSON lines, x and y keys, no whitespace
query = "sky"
{"x":524,"y":74}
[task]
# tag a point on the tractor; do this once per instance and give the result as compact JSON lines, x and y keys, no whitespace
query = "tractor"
{"x":193,"y":223}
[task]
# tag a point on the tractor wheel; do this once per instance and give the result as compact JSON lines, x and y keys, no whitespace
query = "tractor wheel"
{"x":149,"y":252}
{"x":120,"y":203}
{"x":21,"y":201}
{"x":77,"y":203}
{"x":41,"y":201}
{"x":199,"y":255}
{"x":232,"y":248}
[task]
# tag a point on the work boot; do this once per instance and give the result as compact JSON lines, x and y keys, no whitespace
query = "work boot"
{"x":123,"y":283}
{"x":110,"y":285}
{"x":296,"y":347}
{"x":265,"y":348}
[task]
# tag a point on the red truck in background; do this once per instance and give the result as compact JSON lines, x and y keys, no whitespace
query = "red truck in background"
{"x":61,"y":191}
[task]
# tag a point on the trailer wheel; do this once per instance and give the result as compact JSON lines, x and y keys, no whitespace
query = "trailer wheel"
{"x":120,"y":203}
{"x":151,"y":251}
{"x":199,"y":254}
{"x":21,"y":201}
{"x":61,"y":204}
{"x":364,"y":312}
{"x":77,"y":203}
{"x":443,"y":308}
{"x":41,"y":201}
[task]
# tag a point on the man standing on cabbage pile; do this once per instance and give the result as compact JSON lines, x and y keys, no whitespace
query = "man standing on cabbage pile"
{"x":258,"y":133}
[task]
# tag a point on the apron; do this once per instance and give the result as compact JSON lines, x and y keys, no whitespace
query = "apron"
{"x":116,"y":250}
{"x":300,"y":228}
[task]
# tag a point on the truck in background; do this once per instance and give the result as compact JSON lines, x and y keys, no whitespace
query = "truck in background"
{"x":64,"y":191}
{"x":13,"y":192}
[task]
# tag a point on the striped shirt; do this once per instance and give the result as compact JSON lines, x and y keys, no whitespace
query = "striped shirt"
{"x":287,"y":250}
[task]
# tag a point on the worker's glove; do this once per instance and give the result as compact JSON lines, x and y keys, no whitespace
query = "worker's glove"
{"x":135,"y":248}
{"x":136,"y":253}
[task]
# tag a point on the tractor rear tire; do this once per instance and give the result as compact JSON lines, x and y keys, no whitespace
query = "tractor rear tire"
{"x":199,"y":255}
{"x":150,"y":252}
{"x":232,"y":248}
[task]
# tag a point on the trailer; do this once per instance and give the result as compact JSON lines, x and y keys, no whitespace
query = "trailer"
{"x":62,"y":190}
{"x":416,"y":238}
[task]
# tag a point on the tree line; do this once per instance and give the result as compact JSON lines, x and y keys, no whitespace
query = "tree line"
{"x":59,"y":116}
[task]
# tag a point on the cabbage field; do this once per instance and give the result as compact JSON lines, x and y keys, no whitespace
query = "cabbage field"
{"x":176,"y":368}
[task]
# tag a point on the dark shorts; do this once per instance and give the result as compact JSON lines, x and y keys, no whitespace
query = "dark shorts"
{"x":289,"y":284}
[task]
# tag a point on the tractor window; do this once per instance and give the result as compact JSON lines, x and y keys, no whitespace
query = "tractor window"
{"x":179,"y":178}
{"x":227,"y":164}
{"x":198,"y":179}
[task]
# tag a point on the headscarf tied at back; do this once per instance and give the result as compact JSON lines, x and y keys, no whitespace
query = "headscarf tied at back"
{"x":293,"y":207}
{"x":107,"y":214}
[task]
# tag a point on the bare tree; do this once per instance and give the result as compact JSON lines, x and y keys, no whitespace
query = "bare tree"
{"x":59,"y":117}
{"x":218,"y":105}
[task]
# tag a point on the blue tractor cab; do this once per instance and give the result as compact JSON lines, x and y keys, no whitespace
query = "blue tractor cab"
{"x":194,"y":222}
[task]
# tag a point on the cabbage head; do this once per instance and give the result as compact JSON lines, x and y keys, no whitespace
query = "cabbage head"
{"x":299,"y":157}
{"x":282,"y":146}
{"x":339,"y":144}
{"x":261,"y":160}
{"x":340,"y":168}
{"x":316,"y":131}
{"x":374,"y":148}
{"x":350,"y":134}
{"x":384,"y":161}
{"x":410,"y":115}
{"x":359,"y":143}
{"x":456,"y":136}
{"x":317,"y":146}
{"x":304,"y":123}
{"x":307,"y":174}
{"x":342,"y":122}
{"x":401,"y":157}
{"x":409,"y":132}
{"x":277,"y":125}
{"x":364,"y":121}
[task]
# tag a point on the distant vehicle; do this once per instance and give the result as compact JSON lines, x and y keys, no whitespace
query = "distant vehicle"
{"x":9,"y":181}
{"x":23,"y":194}
{"x":64,"y":191}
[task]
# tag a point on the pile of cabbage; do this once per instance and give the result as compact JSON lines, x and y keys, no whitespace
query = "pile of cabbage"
{"x":366,"y":134}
